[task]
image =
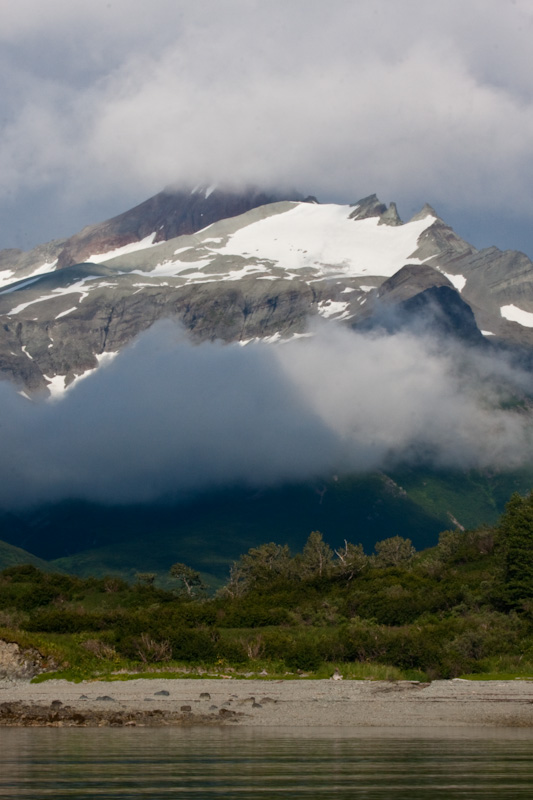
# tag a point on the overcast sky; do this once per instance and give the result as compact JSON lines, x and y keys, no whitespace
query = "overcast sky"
{"x":105,"y":102}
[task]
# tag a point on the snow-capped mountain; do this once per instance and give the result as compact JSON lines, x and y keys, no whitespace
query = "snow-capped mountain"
{"x":239,"y":266}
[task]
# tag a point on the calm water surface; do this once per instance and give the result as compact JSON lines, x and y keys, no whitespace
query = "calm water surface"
{"x":232,"y":763}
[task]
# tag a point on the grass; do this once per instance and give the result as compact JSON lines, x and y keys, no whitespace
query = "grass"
{"x":275,"y":672}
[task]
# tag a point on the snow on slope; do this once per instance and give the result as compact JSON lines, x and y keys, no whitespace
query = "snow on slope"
{"x":312,"y":235}
{"x":75,"y":288}
{"x":515,"y":314}
{"x":305,"y":240}
{"x":148,"y":241}
{"x":7,"y":276}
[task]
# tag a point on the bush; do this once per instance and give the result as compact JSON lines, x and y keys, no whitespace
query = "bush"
{"x":303,"y":655}
{"x":194,"y":645}
{"x":58,"y":620}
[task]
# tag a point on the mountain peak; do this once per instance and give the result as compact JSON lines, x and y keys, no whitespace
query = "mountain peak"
{"x":425,"y":211}
{"x":369,"y":206}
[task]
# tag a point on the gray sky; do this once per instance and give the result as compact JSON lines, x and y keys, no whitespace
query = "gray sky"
{"x":105,"y":102}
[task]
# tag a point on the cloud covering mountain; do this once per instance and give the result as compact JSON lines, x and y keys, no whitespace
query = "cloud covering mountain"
{"x":169,"y":418}
{"x":104,"y":102}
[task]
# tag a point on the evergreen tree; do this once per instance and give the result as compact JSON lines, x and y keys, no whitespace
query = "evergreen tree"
{"x":516,"y":542}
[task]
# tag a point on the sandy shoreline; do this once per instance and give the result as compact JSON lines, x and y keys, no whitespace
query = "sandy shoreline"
{"x":257,"y":703}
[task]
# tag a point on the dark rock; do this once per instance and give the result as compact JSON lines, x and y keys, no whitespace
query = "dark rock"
{"x":248,"y":701}
{"x":162,"y":693}
{"x":105,"y":698}
{"x":185,"y":708}
{"x":205,"y":696}
{"x":368,"y":207}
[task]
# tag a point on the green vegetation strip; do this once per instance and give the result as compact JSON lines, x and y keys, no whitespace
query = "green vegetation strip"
{"x":462,"y":608}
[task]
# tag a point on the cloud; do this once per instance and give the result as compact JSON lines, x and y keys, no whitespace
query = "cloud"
{"x":168,"y":418}
{"x":413,"y":100}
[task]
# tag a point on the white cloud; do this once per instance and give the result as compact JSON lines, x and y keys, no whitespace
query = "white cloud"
{"x":413,"y":100}
{"x":167,"y":417}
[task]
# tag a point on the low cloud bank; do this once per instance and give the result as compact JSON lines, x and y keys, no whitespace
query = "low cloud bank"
{"x":169,"y":418}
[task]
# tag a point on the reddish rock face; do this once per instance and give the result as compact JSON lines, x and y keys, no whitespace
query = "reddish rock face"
{"x":167,"y":214}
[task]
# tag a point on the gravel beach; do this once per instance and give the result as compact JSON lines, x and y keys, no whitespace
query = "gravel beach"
{"x":259,"y":703}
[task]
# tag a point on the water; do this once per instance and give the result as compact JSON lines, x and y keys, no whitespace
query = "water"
{"x":278,"y":763}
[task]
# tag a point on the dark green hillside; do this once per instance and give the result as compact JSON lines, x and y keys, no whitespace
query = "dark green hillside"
{"x":212,"y":530}
{"x":472,"y":497}
{"x":11,"y":556}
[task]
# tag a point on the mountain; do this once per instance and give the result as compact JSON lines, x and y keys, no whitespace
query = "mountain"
{"x":237,"y":266}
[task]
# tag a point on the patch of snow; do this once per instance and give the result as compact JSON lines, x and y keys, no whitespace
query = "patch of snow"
{"x":488,"y":333}
{"x":332,"y":308}
{"x":161,"y":283}
{"x":515,"y":314}
{"x":457,"y":281}
{"x":68,"y":311}
{"x":210,"y":190}
{"x":238,"y":274}
{"x":6,"y":276}
{"x":25,"y":351}
{"x":323,"y":238}
{"x":74,"y":288}
{"x":272,"y":339}
{"x":367,"y":288}
{"x":48,"y":266}
{"x":181,"y":250}
{"x":143,"y":244}
{"x":170,"y":269}
{"x":20,"y":286}
{"x":44,"y":269}
{"x":276,"y":338}
{"x":348,"y":290}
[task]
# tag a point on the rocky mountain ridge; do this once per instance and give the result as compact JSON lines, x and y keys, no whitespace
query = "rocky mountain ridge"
{"x":238,"y":266}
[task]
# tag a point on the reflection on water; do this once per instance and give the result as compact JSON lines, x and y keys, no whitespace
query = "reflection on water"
{"x":251,"y":763}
